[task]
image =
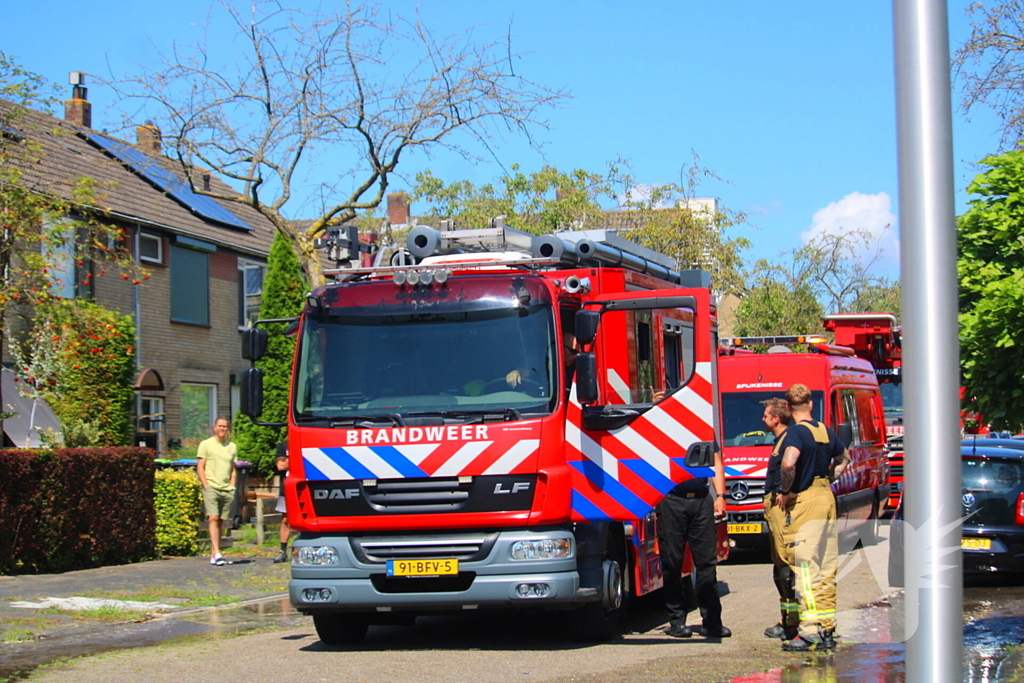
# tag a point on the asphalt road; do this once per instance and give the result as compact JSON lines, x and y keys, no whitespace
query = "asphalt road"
{"x":488,"y":649}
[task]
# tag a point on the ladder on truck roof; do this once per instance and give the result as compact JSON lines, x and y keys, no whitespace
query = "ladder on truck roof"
{"x":570,"y":249}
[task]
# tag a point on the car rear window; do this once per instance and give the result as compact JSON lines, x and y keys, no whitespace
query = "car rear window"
{"x":996,"y":476}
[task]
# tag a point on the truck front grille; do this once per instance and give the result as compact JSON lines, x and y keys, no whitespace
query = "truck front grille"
{"x":464,"y":547}
{"x":418,"y":495}
{"x":745,"y":491}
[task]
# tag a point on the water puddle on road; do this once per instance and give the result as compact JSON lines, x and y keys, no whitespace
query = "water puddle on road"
{"x":17,"y":660}
{"x":992,"y":654}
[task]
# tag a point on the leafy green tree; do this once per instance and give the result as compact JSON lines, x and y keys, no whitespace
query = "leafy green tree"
{"x":773,"y":305}
{"x":284,"y":293}
{"x":991,"y":272}
{"x":38,"y":235}
{"x":659,"y":217}
{"x":830,"y":274}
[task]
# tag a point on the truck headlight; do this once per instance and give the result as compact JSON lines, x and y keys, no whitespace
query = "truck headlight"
{"x":547,"y":549}
{"x":317,"y":556}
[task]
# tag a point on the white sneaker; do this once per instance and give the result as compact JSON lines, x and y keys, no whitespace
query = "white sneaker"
{"x":218,"y":560}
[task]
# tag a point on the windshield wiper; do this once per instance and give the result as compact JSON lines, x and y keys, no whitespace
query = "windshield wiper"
{"x":507,"y":413}
{"x":366,"y":421}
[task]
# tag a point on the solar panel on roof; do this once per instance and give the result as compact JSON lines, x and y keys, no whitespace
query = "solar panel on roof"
{"x":168,"y":181}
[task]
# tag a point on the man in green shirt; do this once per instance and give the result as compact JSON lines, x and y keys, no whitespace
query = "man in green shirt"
{"x":216,"y":469}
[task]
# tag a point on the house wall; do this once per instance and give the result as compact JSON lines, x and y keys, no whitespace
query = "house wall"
{"x":181,"y":352}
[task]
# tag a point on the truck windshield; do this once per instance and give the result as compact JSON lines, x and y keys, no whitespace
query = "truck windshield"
{"x":481,"y":351}
{"x":742,"y":411}
{"x":892,"y":397}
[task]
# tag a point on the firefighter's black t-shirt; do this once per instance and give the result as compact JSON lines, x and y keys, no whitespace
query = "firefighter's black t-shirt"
{"x":814,"y":457}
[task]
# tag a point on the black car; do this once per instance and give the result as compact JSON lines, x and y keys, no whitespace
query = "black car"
{"x":989,"y":442}
{"x":992,"y":501}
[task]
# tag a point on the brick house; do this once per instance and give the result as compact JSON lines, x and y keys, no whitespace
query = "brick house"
{"x":206,"y":260}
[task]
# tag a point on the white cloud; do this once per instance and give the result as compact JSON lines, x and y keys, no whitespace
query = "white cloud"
{"x":871,"y":213}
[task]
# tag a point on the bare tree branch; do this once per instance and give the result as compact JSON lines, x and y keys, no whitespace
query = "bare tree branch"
{"x":345,"y":88}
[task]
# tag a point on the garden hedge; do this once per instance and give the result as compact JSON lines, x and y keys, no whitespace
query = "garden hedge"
{"x":75,"y":508}
{"x":179,"y":503}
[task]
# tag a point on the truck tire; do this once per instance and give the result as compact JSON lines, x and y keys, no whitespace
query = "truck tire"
{"x":599,"y":621}
{"x":868,"y":531}
{"x":341,"y":629}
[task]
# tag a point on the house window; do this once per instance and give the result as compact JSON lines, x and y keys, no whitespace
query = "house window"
{"x":61,"y":254}
{"x":190,"y":286}
{"x":250,"y":291}
{"x":198,"y":410}
{"x":151,"y":248}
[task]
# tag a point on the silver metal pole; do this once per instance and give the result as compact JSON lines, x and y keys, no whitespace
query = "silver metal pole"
{"x":934,"y":593}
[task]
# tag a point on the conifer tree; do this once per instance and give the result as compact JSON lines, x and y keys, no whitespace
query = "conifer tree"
{"x":284,"y":293}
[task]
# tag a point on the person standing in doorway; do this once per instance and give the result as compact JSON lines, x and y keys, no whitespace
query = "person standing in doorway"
{"x":218,"y":475}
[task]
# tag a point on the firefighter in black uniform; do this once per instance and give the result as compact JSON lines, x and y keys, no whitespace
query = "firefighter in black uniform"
{"x":812,"y":458}
{"x":687,"y":516}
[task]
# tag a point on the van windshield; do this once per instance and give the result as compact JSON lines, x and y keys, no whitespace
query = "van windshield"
{"x":742,"y":411}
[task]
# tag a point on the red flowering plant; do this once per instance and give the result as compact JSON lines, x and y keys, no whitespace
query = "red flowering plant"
{"x":80,"y":358}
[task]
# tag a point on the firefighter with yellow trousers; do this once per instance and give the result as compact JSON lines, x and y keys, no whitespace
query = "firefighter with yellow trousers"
{"x":813,"y":457}
{"x":777,"y":418}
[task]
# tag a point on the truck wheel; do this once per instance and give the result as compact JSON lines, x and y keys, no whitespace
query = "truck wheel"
{"x":600,"y":620}
{"x":341,"y":629}
{"x":868,"y":531}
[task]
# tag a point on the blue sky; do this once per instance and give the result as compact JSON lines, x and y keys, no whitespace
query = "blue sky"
{"x":793,"y":103}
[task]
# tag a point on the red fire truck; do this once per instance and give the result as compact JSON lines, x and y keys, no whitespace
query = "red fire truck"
{"x":845,"y":396}
{"x":875,"y":337}
{"x":480,"y":431}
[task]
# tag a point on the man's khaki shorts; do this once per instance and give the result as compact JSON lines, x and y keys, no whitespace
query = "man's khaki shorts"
{"x":217,"y":502}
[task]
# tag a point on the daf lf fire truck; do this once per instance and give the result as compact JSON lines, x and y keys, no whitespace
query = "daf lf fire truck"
{"x":480,"y":430}
{"x":845,"y":396}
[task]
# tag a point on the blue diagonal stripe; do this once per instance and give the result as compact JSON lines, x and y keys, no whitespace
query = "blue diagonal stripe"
{"x":698,"y":472}
{"x":345,"y":461}
{"x":312,"y":473}
{"x":582,"y":506}
{"x":394,"y":457}
{"x":648,"y":473}
{"x":733,"y":472}
{"x":613,"y":488}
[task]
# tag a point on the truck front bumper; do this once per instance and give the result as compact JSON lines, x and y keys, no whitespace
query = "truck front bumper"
{"x":487,"y":580}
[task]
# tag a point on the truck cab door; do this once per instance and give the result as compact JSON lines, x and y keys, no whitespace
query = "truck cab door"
{"x":630,"y":435}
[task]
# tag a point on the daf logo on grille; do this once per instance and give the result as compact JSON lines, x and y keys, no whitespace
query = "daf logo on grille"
{"x":739,"y":490}
{"x":968,"y":500}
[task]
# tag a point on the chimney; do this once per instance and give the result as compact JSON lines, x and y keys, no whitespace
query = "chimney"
{"x":398,"y":208}
{"x":78,"y":110}
{"x":148,"y":138}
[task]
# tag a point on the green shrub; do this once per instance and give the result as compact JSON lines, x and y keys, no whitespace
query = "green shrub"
{"x":178,"y":498}
{"x":75,"y":508}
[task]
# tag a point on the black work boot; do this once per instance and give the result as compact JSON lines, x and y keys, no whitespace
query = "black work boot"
{"x":679,"y":630}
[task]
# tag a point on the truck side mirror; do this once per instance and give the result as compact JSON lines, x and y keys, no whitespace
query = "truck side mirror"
{"x":254,"y":344}
{"x":586,"y":326}
{"x":586,"y":377}
{"x":845,"y":433}
{"x":252,"y":392}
